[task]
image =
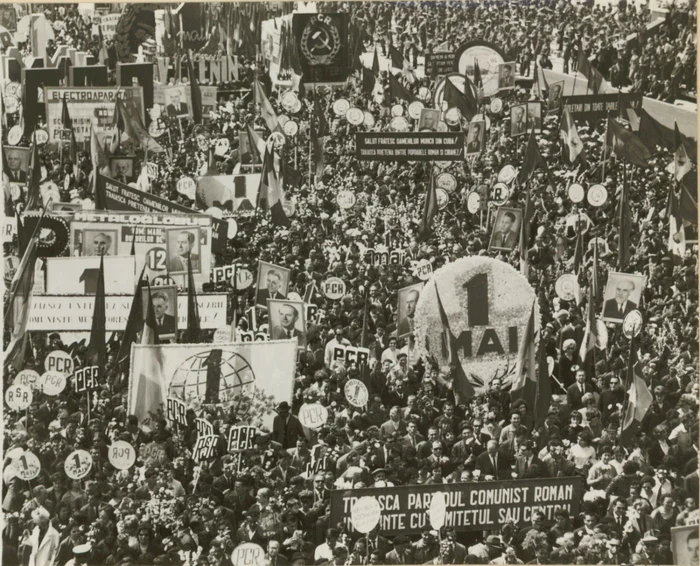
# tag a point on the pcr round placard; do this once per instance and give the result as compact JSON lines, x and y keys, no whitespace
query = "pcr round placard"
{"x":499,"y":194}
{"x":365,"y":514}
{"x":122,"y":455}
{"x":473,"y":202}
{"x":232,"y":228}
{"x":18,"y":397}
{"x":290,"y":128}
{"x":52,"y":383}
{"x":186,"y":186}
{"x":453,"y":116}
{"x":28,"y":378}
{"x":446,"y":181}
{"x":14,"y":135}
{"x":289,"y":100}
{"x":423,"y":270}
{"x":313,"y":415}
{"x":632,"y":324}
{"x":345,"y":199}
{"x":567,"y":287}
{"x":248,"y":554}
{"x":341,"y":106}
{"x":244,"y":278}
{"x":399,"y":124}
{"x":443,"y":198}
{"x":27,"y":466}
{"x":597,"y":195}
{"x":496,"y":105}
{"x":397,"y":110}
{"x":368,"y":119}
{"x":333,"y":288}
{"x":415,"y":108}
{"x":354,"y":116}
{"x":576,"y":193}
{"x":356,"y":393}
{"x":78,"y":464}
{"x":507,"y":174}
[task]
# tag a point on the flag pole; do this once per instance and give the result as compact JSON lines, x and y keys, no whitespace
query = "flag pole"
{"x":605,"y":147}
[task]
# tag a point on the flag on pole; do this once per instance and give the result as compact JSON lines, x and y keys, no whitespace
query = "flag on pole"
{"x":525,"y":234}
{"x":151,"y":391}
{"x":268,"y":113}
{"x":319,"y":130}
{"x":430,"y":209}
{"x":639,"y":399}
{"x":590,"y":335}
{"x":66,"y":120}
{"x":578,"y":249}
{"x":455,"y":99}
{"x":625,"y":227}
{"x":653,"y":133}
{"x":274,"y":192}
{"x":397,"y":60}
{"x":34,"y":180}
{"x":532,"y":383}
{"x":398,"y":91}
{"x":134,"y":128}
{"x":533,"y":159}
{"x":689,"y":199}
{"x":375,"y":63}
{"x":255,"y":143}
{"x":570,"y":137}
{"x":192,"y":334}
{"x":369,"y":81}
{"x":195,"y":91}
{"x":463,"y":388}
{"x":133,"y":324}
{"x":18,"y":306}
{"x":97,"y":348}
{"x":626,"y":145}
{"x":478,"y":81}
{"x":676,"y":230}
{"x":681,"y":162}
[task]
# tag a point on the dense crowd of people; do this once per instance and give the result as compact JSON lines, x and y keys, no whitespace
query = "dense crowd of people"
{"x":413,"y":430}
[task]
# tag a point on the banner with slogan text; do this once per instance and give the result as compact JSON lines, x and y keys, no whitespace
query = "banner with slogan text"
{"x":213,"y":374}
{"x":412,"y":146}
{"x":119,"y":196}
{"x":478,"y":506}
{"x":593,"y":106}
{"x":89,"y":106}
{"x":439,"y":63}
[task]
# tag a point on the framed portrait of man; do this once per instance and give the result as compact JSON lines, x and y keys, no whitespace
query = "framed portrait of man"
{"x":429,"y":119}
{"x":176,"y":102}
{"x":684,"y":545}
{"x":165,"y":308}
{"x":554,"y":98}
{"x":17,"y":164}
{"x":506,"y":229}
{"x":476,"y":136}
{"x":121,"y":168}
{"x":100,"y":242}
{"x":534,"y":117}
{"x":408,"y":298}
{"x":506,"y":76}
{"x":287,"y":320}
{"x":272,"y":283}
{"x":518,"y":120}
{"x":622,"y":294}
{"x":182,"y":246}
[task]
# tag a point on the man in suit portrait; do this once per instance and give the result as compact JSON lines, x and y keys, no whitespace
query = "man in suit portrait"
{"x":176,"y":107}
{"x":288,"y":316}
{"x":555,"y":96}
{"x":406,"y":324}
{"x":165,"y":323}
{"x":15,"y":171}
{"x":518,"y":123}
{"x":273,"y":290}
{"x":620,"y":306}
{"x":504,"y":238}
{"x":122,"y":170}
{"x":534,"y":116}
{"x":506,"y":76}
{"x":429,"y":119}
{"x":185,"y":246}
{"x":101,"y":244}
{"x":475,"y":137}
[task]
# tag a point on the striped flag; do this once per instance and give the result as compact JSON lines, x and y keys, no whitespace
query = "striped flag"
{"x":676,"y":230}
{"x":639,"y":399}
{"x":275,"y":194}
{"x":136,"y":130}
{"x":681,"y":162}
{"x":590,"y":335}
{"x":268,"y":113}
{"x":18,"y":306}
{"x":430,"y":209}
{"x":570,"y":137}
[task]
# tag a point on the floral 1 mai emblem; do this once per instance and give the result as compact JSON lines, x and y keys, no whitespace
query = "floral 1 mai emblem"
{"x":486,"y":305}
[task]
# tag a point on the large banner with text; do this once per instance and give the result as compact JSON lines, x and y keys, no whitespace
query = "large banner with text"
{"x":470,"y":506}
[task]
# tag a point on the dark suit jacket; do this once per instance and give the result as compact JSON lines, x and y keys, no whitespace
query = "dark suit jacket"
{"x":176,"y":264}
{"x":264,"y":295}
{"x":536,"y":469}
{"x":172,"y":111}
{"x":610,"y":309}
{"x":404,"y":327}
{"x":484,"y":464}
{"x":168,"y":326}
{"x":280,"y":560}
{"x":574,"y":395}
{"x":278,"y":333}
{"x":20,"y":178}
{"x":287,"y":435}
{"x":509,"y":241}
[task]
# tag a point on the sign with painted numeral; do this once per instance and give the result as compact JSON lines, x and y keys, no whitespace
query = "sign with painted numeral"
{"x":78,"y":464}
{"x":85,"y":379}
{"x":78,"y":275}
{"x":356,"y":393}
{"x":27,"y":466}
{"x":156,"y":259}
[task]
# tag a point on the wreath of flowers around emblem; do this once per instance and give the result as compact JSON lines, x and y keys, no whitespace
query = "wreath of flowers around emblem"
{"x":510,"y":300}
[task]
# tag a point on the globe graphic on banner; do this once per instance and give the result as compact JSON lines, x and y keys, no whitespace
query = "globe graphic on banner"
{"x":212,"y":377}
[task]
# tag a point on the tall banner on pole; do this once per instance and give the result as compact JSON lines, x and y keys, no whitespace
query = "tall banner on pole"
{"x":322,"y":45}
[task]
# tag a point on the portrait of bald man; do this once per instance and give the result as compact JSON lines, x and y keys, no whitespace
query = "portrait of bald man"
{"x":99,"y":242}
{"x":622,"y":294}
{"x":408,"y":299}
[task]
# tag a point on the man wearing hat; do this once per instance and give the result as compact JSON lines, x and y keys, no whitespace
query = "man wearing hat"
{"x":380,"y":478}
{"x":81,"y":555}
{"x":401,"y":553}
{"x":286,"y":428}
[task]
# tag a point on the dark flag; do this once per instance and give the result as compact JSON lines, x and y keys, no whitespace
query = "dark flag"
{"x":192,"y":334}
{"x":275,"y":195}
{"x":625,"y":227}
{"x":319,"y":129}
{"x":676,"y":230}
{"x":639,"y":399}
{"x":134,"y":324}
{"x":97,"y":349}
{"x":689,"y":199}
{"x":590,"y":335}
{"x":533,"y":159}
{"x":397,"y":60}
{"x":478,"y":81}
{"x":375,"y":63}
{"x":369,"y":81}
{"x":456,"y":99}
{"x":626,"y":145}
{"x":681,"y":161}
{"x":430,"y":209}
{"x":578,"y":250}
{"x":66,"y":120}
{"x":195,"y":91}
{"x":525,"y":234}
{"x":34,"y":180}
{"x":653,"y":133}
{"x":398,"y":91}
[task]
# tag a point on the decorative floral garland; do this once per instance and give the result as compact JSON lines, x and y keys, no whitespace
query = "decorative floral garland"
{"x":510,"y":300}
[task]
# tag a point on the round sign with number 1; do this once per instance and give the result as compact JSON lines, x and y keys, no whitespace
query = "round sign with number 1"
{"x":78,"y":464}
{"x":27,"y":466}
